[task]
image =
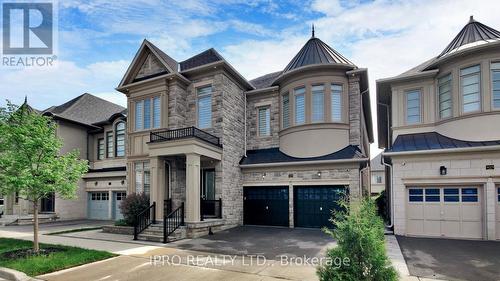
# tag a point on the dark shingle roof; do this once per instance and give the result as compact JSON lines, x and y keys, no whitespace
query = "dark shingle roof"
{"x":433,"y":140}
{"x":472,"y":32}
{"x":376,"y":163}
{"x":316,"y":51}
{"x":200,"y":59}
{"x":265,"y":80}
{"x":87,"y":109}
{"x":274,"y":155}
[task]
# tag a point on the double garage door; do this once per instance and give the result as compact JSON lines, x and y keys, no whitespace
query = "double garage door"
{"x":98,"y":205}
{"x":270,"y":205}
{"x":451,"y":211}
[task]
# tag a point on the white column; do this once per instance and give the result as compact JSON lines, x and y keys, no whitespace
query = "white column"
{"x":110,"y":205}
{"x":157,"y":185}
{"x":490,"y":204}
{"x":192,"y":207}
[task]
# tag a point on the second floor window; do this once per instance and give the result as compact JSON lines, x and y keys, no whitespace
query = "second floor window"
{"x":300,"y":108}
{"x":142,"y":177}
{"x":318,"y":103}
{"x":264,"y":121}
{"x":120,"y":139}
{"x":336,"y":102}
{"x":470,"y":78}
{"x":147,"y":113}
{"x":495,"y":84}
{"x":109,"y":144}
{"x":100,"y":149}
{"x":413,"y":107}
{"x":286,"y":110}
{"x":444,"y":92}
{"x":204,"y":107}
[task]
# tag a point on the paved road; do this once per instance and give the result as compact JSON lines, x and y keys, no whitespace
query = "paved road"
{"x":452,"y":259}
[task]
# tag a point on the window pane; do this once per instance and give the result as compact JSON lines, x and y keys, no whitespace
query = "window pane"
{"x":264,"y":121}
{"x":156,"y":112}
{"x":147,"y":182}
{"x":120,"y":139}
{"x":138,"y":115}
{"x":445,"y":96}
{"x":109,"y":142}
{"x":147,"y":113}
{"x":100,"y":149}
{"x":469,"y":195}
{"x":413,"y":107}
{"x":470,"y":88}
{"x":469,"y":70}
{"x":300,"y":116}
{"x":416,"y":198}
{"x":286,"y":111}
{"x":318,"y":103}
{"x":336,"y":102}
{"x":205,"y":107}
{"x":138,"y":177}
{"x":432,"y":195}
{"x":418,"y":191}
{"x":495,"y":76}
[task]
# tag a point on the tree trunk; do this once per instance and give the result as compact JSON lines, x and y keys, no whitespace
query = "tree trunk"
{"x":36,"y":247}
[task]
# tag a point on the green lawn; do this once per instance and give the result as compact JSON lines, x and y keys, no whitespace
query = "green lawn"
{"x":33,"y":266}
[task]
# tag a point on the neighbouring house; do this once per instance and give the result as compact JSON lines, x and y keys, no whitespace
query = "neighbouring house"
{"x":96,"y":128}
{"x":439,"y":126}
{"x":277,"y":150}
{"x":377,"y":173}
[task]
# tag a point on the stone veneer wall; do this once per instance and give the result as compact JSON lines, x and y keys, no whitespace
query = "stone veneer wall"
{"x":177,"y":180}
{"x":254,"y":141}
{"x":354,"y":111}
{"x":177,"y":106}
{"x":462,"y":170}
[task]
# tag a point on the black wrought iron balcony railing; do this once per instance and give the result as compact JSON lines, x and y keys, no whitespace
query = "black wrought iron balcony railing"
{"x":183,"y":133}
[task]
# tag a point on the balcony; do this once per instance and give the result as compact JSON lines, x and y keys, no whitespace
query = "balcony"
{"x":184,"y":133}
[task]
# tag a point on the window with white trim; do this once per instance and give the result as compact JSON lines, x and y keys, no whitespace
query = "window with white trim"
{"x":147,"y":113}
{"x":445,"y":98}
{"x":142,"y":177}
{"x":336,"y":102}
{"x":120,"y":139}
{"x":318,"y":103}
{"x":413,"y":107}
{"x":470,"y":79}
{"x":264,"y":121}
{"x":495,"y":84}
{"x":286,"y":110}
{"x":100,"y":149}
{"x":415,"y":195}
{"x":300,"y":105}
{"x":204,"y":107}
{"x":109,"y":144}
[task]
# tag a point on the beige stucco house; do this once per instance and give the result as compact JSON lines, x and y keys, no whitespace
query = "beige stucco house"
{"x":276,"y":150}
{"x":439,"y":126}
{"x":377,"y":174}
{"x":96,"y":128}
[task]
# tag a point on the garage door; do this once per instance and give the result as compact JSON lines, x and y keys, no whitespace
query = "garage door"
{"x":98,"y":204}
{"x":313,"y":205}
{"x":266,"y":205}
{"x":117,"y":200}
{"x":451,"y":211}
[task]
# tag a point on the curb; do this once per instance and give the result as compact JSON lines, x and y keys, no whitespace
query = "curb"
{"x":14,"y":275}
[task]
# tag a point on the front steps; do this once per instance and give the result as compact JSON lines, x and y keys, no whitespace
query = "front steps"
{"x":154,"y":233}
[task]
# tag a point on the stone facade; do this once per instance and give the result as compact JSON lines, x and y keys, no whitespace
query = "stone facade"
{"x":254,"y":102}
{"x":354,"y":111}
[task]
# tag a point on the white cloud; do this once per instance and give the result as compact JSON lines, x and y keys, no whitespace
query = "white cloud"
{"x":329,"y":7}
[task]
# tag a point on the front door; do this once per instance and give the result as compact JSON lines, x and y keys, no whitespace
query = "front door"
{"x":47,"y":203}
{"x":208,"y":184}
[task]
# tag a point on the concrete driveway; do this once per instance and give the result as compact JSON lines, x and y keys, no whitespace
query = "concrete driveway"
{"x":270,"y":242}
{"x":451,"y":259}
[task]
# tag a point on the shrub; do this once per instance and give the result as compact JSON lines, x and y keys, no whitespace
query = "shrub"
{"x":360,"y":240}
{"x":121,"y":222}
{"x":132,"y":205}
{"x":381,"y":202}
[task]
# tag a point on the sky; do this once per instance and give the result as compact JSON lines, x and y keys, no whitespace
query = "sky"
{"x":98,"y":39}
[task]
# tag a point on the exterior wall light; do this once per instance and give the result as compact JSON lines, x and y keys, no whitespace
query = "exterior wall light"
{"x":443,"y":171}
{"x":263,"y":175}
{"x":319,"y":174}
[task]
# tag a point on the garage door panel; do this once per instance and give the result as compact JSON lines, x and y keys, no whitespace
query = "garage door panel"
{"x":98,"y":205}
{"x":451,"y":228}
{"x":432,"y":227}
{"x":415,"y":227}
{"x":472,"y":229}
{"x":266,"y":206}
{"x":471,"y":212}
{"x":451,"y":212}
{"x":432,"y":212}
{"x":313,"y":205}
{"x":416,"y":211}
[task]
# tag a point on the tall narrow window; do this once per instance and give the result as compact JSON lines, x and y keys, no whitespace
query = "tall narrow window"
{"x":142,"y":177}
{"x":109,"y":144}
{"x":286,"y":111}
{"x":156,"y":112}
{"x":264,"y":121}
{"x":495,"y":84}
{"x":204,"y":107}
{"x":139,"y":117}
{"x":100,"y":149}
{"x":120,"y":139}
{"x":300,"y":108}
{"x":413,"y":107}
{"x":336,"y":102}
{"x":444,"y":89}
{"x":318,"y":103}
{"x":147,"y":113}
{"x":470,"y":79}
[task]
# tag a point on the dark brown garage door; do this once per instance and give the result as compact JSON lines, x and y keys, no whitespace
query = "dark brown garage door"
{"x":265,"y":205}
{"x":313,"y":205}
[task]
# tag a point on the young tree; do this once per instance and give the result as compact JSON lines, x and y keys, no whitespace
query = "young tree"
{"x":30,"y":160}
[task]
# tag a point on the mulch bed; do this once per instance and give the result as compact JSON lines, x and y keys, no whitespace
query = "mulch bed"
{"x":26,"y":253}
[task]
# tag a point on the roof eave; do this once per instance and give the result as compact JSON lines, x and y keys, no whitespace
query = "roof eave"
{"x":224,"y":64}
{"x":313,"y":66}
{"x":299,"y":163}
{"x":462,"y":52}
{"x":124,"y":88}
{"x":444,"y":150}
{"x":262,"y":90}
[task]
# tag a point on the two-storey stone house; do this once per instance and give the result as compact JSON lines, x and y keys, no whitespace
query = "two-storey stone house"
{"x":439,"y":125}
{"x":276,"y":150}
{"x":96,"y":128}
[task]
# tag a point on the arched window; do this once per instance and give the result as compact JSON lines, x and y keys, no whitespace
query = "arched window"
{"x":120,"y":139}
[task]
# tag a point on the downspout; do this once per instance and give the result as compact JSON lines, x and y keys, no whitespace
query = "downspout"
{"x":390,"y":182}
{"x":245,"y":145}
